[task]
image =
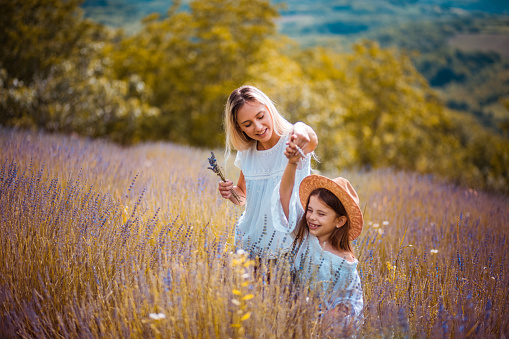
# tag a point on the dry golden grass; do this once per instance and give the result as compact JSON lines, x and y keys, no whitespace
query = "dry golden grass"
{"x":103,"y":241}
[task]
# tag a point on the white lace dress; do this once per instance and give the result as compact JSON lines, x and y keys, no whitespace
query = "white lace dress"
{"x":333,"y":278}
{"x":255,"y":230}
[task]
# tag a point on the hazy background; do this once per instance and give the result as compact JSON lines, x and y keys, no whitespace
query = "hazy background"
{"x":421,"y":86}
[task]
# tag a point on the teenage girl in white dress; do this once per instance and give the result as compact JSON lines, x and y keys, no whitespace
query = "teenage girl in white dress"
{"x":259,"y":133}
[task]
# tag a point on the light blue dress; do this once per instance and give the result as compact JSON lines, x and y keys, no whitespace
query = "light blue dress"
{"x":333,"y":278}
{"x":255,"y":230}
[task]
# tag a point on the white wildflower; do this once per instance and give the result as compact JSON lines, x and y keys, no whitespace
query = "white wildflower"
{"x":157,"y":316}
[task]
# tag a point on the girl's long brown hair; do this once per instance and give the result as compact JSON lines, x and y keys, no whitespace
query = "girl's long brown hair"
{"x":339,"y":239}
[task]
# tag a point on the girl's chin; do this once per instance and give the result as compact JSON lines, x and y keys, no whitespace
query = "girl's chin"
{"x":263,"y":137}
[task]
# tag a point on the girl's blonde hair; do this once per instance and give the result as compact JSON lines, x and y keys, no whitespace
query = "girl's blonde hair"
{"x":238,"y":98}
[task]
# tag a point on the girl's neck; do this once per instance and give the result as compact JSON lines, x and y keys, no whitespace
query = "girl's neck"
{"x":326,"y":245}
{"x":324,"y":239}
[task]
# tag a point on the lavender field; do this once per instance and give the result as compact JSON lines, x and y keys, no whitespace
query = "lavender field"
{"x":104,"y":241}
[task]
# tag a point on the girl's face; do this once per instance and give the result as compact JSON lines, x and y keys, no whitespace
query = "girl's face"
{"x":321,"y":219}
{"x":254,"y":119}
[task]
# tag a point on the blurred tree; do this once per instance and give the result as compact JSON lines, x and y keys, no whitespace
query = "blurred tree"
{"x":371,"y":108}
{"x":504,"y":125}
{"x":485,"y":161}
{"x":393,"y":116}
{"x":54,"y":75}
{"x":192,"y":60}
{"x":37,"y":34}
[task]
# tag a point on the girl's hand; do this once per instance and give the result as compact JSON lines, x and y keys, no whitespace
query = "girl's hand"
{"x":292,"y":153}
{"x":300,"y":135}
{"x":225,"y":189}
{"x":334,"y":317}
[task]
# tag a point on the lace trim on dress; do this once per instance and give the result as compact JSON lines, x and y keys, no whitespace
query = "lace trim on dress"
{"x":266,"y":152}
{"x":262,"y":173}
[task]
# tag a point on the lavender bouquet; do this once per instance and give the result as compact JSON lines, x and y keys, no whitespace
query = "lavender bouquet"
{"x":214,"y":167}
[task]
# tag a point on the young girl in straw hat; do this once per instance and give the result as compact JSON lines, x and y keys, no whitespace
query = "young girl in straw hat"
{"x":322,"y":216}
{"x":259,"y":133}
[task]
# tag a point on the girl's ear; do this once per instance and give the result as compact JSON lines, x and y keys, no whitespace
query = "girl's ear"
{"x":341,"y":221}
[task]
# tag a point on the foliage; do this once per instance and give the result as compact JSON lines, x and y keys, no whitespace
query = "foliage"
{"x":78,"y":99}
{"x":372,"y":109}
{"x":71,"y":89}
{"x":99,"y":239}
{"x":389,"y":112}
{"x":485,"y":156}
{"x":427,"y":27}
{"x":192,"y":60}
{"x":38,"y":34}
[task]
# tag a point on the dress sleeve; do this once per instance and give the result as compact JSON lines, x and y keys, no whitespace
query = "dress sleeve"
{"x":238,"y":160}
{"x":281,"y":223}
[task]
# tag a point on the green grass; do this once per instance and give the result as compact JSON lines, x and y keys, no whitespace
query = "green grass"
{"x":96,"y":238}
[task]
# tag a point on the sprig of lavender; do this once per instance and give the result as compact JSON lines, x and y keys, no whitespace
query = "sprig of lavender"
{"x":214,"y":167}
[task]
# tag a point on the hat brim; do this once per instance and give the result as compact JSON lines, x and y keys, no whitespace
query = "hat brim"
{"x":312,"y":182}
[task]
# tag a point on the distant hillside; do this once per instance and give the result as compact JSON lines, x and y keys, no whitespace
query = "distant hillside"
{"x":302,"y":18}
{"x":305,"y":20}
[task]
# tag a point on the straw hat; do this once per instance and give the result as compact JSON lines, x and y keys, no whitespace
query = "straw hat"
{"x":343,"y":190}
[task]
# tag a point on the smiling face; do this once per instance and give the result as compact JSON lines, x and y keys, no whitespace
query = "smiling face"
{"x":255,"y":121}
{"x":321,"y":219}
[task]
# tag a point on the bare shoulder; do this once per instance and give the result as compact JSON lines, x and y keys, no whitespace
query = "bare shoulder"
{"x":348,"y":256}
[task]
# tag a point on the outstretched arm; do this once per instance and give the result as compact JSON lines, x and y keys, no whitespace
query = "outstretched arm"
{"x":304,"y":137}
{"x":288,"y":178}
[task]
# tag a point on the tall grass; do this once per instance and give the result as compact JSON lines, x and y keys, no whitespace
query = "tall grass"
{"x":99,"y":240}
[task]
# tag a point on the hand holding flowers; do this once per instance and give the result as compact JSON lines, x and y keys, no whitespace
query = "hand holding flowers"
{"x":214,"y":167}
